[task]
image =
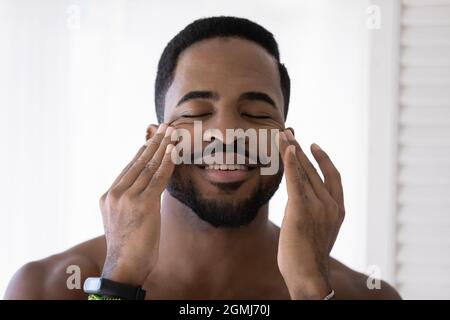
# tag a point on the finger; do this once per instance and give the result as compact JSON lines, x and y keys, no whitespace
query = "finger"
{"x":153,"y":164}
{"x":159,"y":180}
{"x":297,"y":182}
{"x":313,"y":176}
{"x":332,"y":176}
{"x":141,"y":149}
{"x":133,"y":172}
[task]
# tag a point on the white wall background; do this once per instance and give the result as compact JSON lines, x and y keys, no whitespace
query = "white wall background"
{"x":75,"y":102}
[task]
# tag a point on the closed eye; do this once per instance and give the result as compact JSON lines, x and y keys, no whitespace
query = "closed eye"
{"x":256,"y":116}
{"x":195,"y":115}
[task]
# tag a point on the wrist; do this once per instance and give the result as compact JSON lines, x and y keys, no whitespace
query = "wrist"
{"x":124,"y":273}
{"x":309,"y":288}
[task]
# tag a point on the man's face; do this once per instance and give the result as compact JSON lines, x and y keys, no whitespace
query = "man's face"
{"x":226,"y":83}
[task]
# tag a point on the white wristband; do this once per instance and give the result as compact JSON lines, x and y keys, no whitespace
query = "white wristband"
{"x":329,"y":296}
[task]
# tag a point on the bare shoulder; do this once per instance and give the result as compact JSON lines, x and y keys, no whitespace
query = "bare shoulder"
{"x":350,"y":284}
{"x":59,"y":276}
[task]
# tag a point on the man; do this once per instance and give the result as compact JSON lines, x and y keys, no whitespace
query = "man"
{"x":210,"y":237}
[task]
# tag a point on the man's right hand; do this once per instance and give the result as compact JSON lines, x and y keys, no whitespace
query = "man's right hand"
{"x":131,"y":211}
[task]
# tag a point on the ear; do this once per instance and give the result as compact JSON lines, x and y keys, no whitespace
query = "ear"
{"x":151,"y":130}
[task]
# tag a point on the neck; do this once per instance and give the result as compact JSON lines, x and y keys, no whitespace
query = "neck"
{"x":192,"y":248}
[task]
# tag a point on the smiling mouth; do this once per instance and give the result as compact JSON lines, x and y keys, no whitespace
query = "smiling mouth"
{"x":226,"y":173}
{"x":226,"y":167}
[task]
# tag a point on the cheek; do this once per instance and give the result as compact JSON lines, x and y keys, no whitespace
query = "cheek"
{"x":266,"y":145}
{"x":266,"y":179}
{"x":191,"y":175}
{"x":182,"y":174}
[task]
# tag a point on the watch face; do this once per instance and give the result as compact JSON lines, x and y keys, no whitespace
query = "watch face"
{"x":92,"y":285}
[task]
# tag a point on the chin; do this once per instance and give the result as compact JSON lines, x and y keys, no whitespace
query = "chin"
{"x":210,"y":187}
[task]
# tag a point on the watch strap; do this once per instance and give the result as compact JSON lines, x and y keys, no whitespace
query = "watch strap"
{"x":107,"y":287}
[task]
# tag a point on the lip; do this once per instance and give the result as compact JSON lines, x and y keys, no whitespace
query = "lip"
{"x":225,"y":176}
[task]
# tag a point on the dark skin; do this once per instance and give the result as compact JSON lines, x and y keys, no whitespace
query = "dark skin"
{"x":258,"y":261}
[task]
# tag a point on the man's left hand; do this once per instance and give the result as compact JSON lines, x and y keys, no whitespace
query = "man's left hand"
{"x":312,"y":219}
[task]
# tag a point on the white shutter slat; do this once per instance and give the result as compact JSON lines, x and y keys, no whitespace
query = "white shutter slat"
{"x":425,"y":76}
{"x":420,"y":96}
{"x":427,"y":215}
{"x":426,"y":3}
{"x":420,"y":176}
{"x":429,"y":36}
{"x":425,"y":57}
{"x":424,"y":291}
{"x":431,"y":275}
{"x":423,"y":195}
{"x":418,"y":116}
{"x":426,"y":16}
{"x":424,"y":156}
{"x":423,"y":151}
{"x":424,"y":235}
{"x":423,"y":256}
{"x":415,"y":136}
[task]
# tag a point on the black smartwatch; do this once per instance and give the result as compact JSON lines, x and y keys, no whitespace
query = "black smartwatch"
{"x":106,"y":287}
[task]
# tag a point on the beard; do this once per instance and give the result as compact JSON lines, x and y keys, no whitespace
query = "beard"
{"x":219,"y":212}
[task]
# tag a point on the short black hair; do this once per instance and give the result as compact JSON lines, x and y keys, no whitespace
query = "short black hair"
{"x":214,"y":27}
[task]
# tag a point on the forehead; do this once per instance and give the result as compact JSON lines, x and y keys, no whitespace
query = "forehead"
{"x":225,"y":65}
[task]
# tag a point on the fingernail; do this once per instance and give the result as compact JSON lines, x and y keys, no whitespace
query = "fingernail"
{"x":316,"y":146}
{"x":169,"y":132}
{"x":162,"y":127}
{"x":169,"y":148}
{"x":289,"y":134}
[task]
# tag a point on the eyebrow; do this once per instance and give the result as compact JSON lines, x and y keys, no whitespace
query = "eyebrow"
{"x":198,"y":95}
{"x":250,"y":95}
{"x":260,"y":96}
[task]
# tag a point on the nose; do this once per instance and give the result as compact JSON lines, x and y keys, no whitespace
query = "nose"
{"x":225,"y":118}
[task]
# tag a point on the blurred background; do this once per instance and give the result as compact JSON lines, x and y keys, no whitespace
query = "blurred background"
{"x":370,"y":84}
